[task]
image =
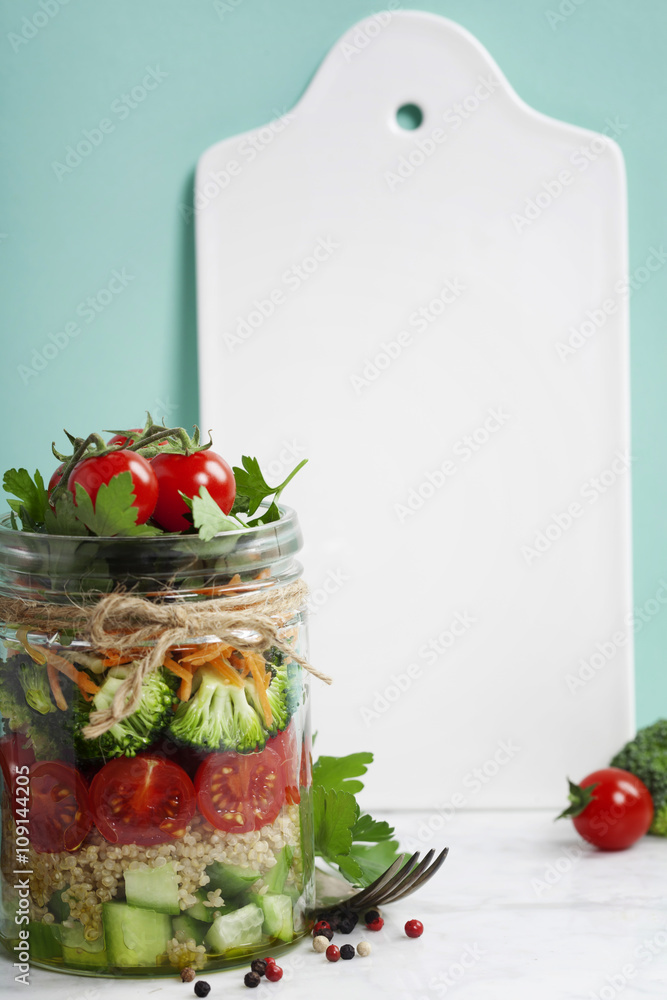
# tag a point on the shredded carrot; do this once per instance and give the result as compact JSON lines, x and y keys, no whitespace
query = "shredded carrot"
{"x":185,"y":688}
{"x":114,"y":659}
{"x":226,"y":670}
{"x":258,"y":671}
{"x":204,"y":654}
{"x":56,"y":689}
{"x":80,"y":677}
{"x":177,"y":669}
{"x":234,"y":580}
{"x":36,"y":654}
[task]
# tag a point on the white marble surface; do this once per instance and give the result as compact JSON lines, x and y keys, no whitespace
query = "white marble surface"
{"x":521,"y":910}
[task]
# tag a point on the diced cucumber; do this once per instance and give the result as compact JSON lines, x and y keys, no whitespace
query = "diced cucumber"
{"x":277,"y":876}
{"x":186,"y":928}
{"x":235,"y":930}
{"x":232,"y":880}
{"x":153,"y":889}
{"x":44,"y":941}
{"x":58,"y":907}
{"x":278,"y":921}
{"x":134,"y":936}
{"x":199,"y":911}
{"x":78,"y":951}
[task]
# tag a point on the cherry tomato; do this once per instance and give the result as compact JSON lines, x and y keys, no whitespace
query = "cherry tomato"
{"x":16,"y":759}
{"x":178,"y":474}
{"x":238,"y":793}
{"x":142,"y":800}
{"x":122,"y":439}
{"x":91,"y":472}
{"x":59,"y":807}
{"x":284,"y":744}
{"x":611,"y":809}
{"x":56,"y":476}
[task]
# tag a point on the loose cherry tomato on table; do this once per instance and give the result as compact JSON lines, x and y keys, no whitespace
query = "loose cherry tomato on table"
{"x":610,"y":808}
{"x":95,"y":470}
{"x":178,"y":474}
{"x":238,"y":793}
{"x":142,"y":800}
{"x":59,"y":807}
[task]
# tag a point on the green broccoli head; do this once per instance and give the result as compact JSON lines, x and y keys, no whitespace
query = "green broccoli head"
{"x":19,"y":716}
{"x":132,"y":734}
{"x":34,"y":683}
{"x":646,"y":757}
{"x":287,"y":681}
{"x":218,"y":716}
{"x":279,"y":714}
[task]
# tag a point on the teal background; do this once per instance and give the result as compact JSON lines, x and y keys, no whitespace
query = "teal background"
{"x":231,"y":66}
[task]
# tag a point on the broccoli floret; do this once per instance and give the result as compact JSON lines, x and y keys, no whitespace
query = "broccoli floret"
{"x":218,"y":716}
{"x":279,"y":714}
{"x":18,"y":715}
{"x":35,"y":684}
{"x":135,"y":732}
{"x":646,"y":757}
{"x":287,"y":680}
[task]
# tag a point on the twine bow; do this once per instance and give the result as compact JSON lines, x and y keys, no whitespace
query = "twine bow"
{"x":248,"y":622}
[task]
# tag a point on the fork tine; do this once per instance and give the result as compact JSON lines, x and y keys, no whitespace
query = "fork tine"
{"x":407,"y":875}
{"x":412,"y":885}
{"x":369,"y":893}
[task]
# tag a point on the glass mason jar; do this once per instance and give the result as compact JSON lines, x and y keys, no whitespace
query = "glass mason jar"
{"x":182,"y":836}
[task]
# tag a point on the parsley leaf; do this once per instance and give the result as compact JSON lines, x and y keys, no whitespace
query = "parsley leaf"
{"x":335,"y":814}
{"x":63,"y":520}
{"x":361,"y":847}
{"x":33,"y":499}
{"x":252,"y":488}
{"x":335,"y":772}
{"x":112,"y":513}
{"x":208,"y":517}
{"x":371,"y":861}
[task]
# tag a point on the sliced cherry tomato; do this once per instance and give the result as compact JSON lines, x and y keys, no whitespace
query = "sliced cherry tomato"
{"x":178,"y":474}
{"x":142,"y":800}
{"x":59,"y":807}
{"x":93,"y":471}
{"x":610,"y":808}
{"x":122,"y":439}
{"x":16,"y":759}
{"x":285,"y":745}
{"x":237,"y":792}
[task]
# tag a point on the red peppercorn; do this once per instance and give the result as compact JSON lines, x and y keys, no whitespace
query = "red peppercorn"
{"x":273,"y":972}
{"x":376,"y":925}
{"x":321,"y":925}
{"x":332,"y":953}
{"x":269,"y":960}
{"x":414,"y":928}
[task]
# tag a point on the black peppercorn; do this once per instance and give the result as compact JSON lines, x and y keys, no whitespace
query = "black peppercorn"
{"x":252,"y":979}
{"x":258,"y":966}
{"x":202,"y":988}
{"x":347,"y":951}
{"x":371,"y":916}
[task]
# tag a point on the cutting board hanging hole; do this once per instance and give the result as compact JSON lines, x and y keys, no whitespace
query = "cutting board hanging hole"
{"x":409,"y":116}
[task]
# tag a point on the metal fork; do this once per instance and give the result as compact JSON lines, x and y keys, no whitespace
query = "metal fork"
{"x":399,"y":880}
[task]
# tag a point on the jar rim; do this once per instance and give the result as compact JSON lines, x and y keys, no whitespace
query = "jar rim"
{"x":47,"y":567}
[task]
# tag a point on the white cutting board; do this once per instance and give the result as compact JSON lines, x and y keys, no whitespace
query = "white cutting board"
{"x":319,"y":239}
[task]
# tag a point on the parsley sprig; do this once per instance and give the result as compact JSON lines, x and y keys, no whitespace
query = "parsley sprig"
{"x":361,"y":847}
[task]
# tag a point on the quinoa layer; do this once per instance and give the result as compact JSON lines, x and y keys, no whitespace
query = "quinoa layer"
{"x":94,"y":873}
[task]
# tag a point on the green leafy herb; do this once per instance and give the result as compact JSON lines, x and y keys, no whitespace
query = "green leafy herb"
{"x":361,"y":847}
{"x":112,"y":513}
{"x":252,"y":488}
{"x":33,"y":499}
{"x":335,"y":773}
{"x":63,"y":520}
{"x":208,"y":517}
